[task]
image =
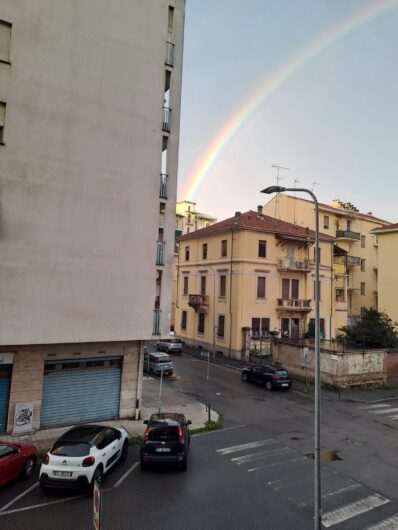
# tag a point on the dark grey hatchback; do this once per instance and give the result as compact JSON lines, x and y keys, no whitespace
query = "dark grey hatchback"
{"x":270,"y":376}
{"x":166,"y":440}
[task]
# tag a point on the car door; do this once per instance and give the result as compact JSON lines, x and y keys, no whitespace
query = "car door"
{"x":256,"y":374}
{"x":266,"y":374}
{"x":113,"y":448}
{"x":11,"y":463}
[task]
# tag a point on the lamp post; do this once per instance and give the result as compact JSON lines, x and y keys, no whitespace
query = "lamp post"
{"x":318,"y":497}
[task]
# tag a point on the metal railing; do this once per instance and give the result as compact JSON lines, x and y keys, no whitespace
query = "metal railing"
{"x":293,"y":303}
{"x":294,"y":264}
{"x":353,"y":260}
{"x":160,"y":253}
{"x":196,"y":300}
{"x":348,"y":234}
{"x":166,"y":119}
{"x":163,"y":186}
{"x":169,"y":54}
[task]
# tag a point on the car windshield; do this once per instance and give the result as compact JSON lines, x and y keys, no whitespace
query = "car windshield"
{"x":164,"y":433}
{"x":65,"y":448}
{"x":175,"y":341}
{"x":164,"y":360}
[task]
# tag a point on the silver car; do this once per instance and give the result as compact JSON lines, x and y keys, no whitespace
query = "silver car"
{"x":170,"y":345}
{"x":156,"y":362}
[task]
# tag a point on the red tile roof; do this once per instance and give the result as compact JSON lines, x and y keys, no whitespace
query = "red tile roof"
{"x":387,"y":228}
{"x":251,"y":220}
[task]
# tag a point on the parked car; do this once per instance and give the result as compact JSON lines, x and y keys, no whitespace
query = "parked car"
{"x":270,"y":376}
{"x":16,"y":460}
{"x":166,"y":440}
{"x":82,"y":455}
{"x":172,"y":345}
{"x":157,"y":361}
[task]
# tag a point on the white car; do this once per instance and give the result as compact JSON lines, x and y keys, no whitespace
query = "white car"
{"x":82,"y":455}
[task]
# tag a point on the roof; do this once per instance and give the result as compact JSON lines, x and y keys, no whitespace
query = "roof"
{"x":251,"y":220}
{"x":82,"y":433}
{"x":387,"y":228}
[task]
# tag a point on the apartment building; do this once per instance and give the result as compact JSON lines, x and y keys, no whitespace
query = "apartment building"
{"x":89,"y":129}
{"x":247,"y":277}
{"x":188,"y":219}
{"x":355,"y":256}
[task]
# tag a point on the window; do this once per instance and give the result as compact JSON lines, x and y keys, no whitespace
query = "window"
{"x":204,"y":251}
{"x":223,"y":248}
{"x":261,"y":287}
{"x":203,"y":285}
{"x":184,"y":320}
{"x":170,"y":21}
{"x":189,"y":218}
{"x":311,"y":328}
{"x":201,"y":323}
{"x":363,"y":262}
{"x":185,"y":291}
{"x":2,"y":121}
{"x":223,"y":285}
{"x":340,"y":297}
{"x":186,"y":253}
{"x":221,"y":326}
{"x":326,"y":222}
{"x":5,"y":39}
{"x":363,"y":310}
{"x":260,"y":327}
{"x":363,"y":241}
{"x":362,"y":288}
{"x":262,"y":249}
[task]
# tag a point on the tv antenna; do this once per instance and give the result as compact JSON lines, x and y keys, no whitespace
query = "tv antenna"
{"x":278,"y":178}
{"x":314,"y":184}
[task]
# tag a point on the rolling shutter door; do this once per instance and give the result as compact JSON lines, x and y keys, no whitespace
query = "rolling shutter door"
{"x":5,"y":384}
{"x":80,"y":391}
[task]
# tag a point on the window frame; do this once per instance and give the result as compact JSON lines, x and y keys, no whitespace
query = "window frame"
{"x":201,"y":323}
{"x":222,"y":286}
{"x":185,"y":285}
{"x":261,"y":291}
{"x":224,"y":248}
{"x":3,"y":126}
{"x":363,"y":288}
{"x":7,"y":24}
{"x":184,"y":319}
{"x":221,"y":318}
{"x":187,"y":253}
{"x":262,"y":248}
{"x":204,"y":250}
{"x":326,"y":222}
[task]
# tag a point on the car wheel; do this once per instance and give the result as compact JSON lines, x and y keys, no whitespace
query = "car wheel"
{"x":125,"y":450}
{"x":268,"y":385}
{"x":98,"y":475}
{"x":245,"y":377}
{"x":29,"y":467}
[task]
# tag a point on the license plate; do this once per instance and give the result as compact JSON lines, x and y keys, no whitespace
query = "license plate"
{"x":163,"y":449}
{"x":62,"y":473}
{"x":285,"y":384}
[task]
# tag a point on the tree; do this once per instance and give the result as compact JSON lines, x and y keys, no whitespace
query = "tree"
{"x":375,"y":329}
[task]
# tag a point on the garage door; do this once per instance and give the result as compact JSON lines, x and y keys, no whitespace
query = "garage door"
{"x":80,"y":391}
{"x":5,"y":383}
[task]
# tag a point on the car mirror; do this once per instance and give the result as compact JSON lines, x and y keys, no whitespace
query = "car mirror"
{"x":146,"y":422}
{"x":189,"y":422}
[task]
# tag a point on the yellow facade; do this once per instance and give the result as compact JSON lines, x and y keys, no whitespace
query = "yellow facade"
{"x":188,"y":219}
{"x":356,"y":266}
{"x":263,"y":283}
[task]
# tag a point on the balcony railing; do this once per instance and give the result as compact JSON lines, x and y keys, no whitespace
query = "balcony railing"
{"x":169,"y":54}
{"x":166,"y":119}
{"x":156,"y":322}
{"x":293,"y":304}
{"x":160,"y":253}
{"x":353,"y":260}
{"x":347,"y":234}
{"x":163,"y":186}
{"x":198,"y":301}
{"x":294,"y":264}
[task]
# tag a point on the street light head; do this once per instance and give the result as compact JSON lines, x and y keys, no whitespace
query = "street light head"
{"x":273,"y":189}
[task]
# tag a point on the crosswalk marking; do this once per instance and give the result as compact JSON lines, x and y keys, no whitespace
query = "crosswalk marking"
{"x":262,"y":455}
{"x":274,"y":464}
{"x":243,"y":447}
{"x":353,"y":509}
{"x":388,"y":524}
{"x":378,"y":406}
{"x":395,"y":417}
{"x":344,"y":489}
{"x":385,"y":411}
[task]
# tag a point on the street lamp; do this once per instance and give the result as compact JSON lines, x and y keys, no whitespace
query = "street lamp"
{"x":318,"y":498}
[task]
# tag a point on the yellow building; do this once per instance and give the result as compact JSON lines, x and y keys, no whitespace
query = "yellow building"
{"x":355,"y":252}
{"x":386,"y":239}
{"x":188,"y":219}
{"x":248,"y":276}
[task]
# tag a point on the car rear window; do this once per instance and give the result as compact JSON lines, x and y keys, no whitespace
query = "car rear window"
{"x":70,"y":449}
{"x":164,"y":433}
{"x":281,"y":372}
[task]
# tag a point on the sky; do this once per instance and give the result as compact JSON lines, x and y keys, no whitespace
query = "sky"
{"x":310,"y":85}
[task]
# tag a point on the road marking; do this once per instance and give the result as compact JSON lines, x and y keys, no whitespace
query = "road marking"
{"x":379,"y":406}
{"x":388,"y":524}
{"x":121,"y":479}
{"x":273,"y":464}
{"x":218,"y":430}
{"x":395,"y":417}
{"x":25,"y":508}
{"x":342,"y":490}
{"x":19,"y":496}
{"x":262,"y":456}
{"x":243,"y":447}
{"x":353,"y":509}
{"x":385,"y":411}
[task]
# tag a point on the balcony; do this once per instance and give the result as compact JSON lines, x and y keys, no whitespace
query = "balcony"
{"x":163,"y":186}
{"x":353,"y":261}
{"x":160,"y":253}
{"x":291,"y":264}
{"x":166,"y":119}
{"x":198,"y":301}
{"x":293,"y":304}
{"x":156,"y":322}
{"x":169,"y":61}
{"x":348,"y":235}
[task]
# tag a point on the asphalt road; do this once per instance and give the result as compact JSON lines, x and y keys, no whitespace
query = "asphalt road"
{"x":255,"y":473}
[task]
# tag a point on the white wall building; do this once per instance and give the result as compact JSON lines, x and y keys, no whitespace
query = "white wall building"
{"x":89,"y":129}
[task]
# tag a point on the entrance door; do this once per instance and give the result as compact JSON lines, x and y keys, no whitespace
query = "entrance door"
{"x":5,"y":384}
{"x":295,"y":328}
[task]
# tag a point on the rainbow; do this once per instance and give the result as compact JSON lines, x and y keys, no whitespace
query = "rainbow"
{"x":202,"y":168}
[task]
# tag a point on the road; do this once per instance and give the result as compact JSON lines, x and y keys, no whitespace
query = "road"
{"x":257,"y":472}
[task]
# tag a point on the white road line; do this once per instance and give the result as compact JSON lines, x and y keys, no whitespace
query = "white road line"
{"x":385,"y":411}
{"x":218,"y":430}
{"x":395,"y":417}
{"x":262,"y":455}
{"x":25,"y":508}
{"x":19,"y":497}
{"x":121,"y":479}
{"x":388,"y":524}
{"x":379,"y":406}
{"x":350,"y":487}
{"x":353,"y":509}
{"x":273,"y":464}
{"x":243,"y":447}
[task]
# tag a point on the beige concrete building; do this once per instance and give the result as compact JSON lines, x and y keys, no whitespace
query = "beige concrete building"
{"x":188,"y":219}
{"x":386,"y":240}
{"x":89,"y":130}
{"x":355,"y":256}
{"x":248,"y":276}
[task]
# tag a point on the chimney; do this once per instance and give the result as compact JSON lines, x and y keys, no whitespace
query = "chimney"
{"x":237,"y":217}
{"x":260,"y":209}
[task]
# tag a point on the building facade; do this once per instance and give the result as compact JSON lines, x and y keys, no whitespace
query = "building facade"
{"x":89,"y":130}
{"x":188,"y":219}
{"x":247,"y":277}
{"x":355,"y":255}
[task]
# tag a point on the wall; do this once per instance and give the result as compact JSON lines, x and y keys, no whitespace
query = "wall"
{"x":387,"y":274}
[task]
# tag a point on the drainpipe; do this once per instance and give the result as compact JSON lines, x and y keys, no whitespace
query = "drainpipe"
{"x":230,"y":292}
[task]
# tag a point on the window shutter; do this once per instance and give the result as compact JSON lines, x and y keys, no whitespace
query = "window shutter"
{"x":2,"y":114}
{"x":5,"y":37}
